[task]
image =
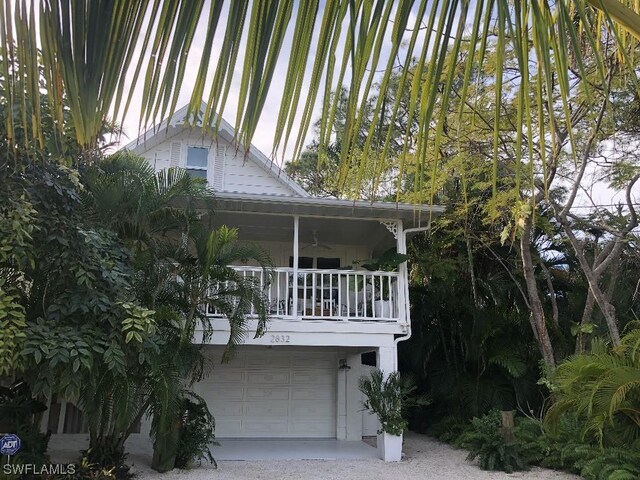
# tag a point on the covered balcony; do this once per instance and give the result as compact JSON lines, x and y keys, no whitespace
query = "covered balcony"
{"x":320,"y":248}
{"x":327,"y":294}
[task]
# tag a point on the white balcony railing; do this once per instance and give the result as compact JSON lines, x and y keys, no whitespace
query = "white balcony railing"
{"x":344,"y":295}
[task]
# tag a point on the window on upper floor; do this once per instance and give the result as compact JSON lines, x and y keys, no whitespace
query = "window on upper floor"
{"x":197,"y":161}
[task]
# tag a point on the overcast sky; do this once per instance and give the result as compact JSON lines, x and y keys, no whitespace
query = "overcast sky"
{"x":263,"y":138}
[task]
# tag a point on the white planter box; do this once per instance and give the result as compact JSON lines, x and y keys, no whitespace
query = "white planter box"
{"x":382,"y":308}
{"x":390,"y":447}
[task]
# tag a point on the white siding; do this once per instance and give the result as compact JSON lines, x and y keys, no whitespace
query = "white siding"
{"x":245,"y":176}
{"x":229,"y":170}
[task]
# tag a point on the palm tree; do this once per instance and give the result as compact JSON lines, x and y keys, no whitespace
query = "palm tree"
{"x":181,"y":267}
{"x":90,"y":55}
{"x":603,"y":388}
{"x":166,"y":219}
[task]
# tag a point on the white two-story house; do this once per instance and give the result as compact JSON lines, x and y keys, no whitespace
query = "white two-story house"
{"x":327,"y":313}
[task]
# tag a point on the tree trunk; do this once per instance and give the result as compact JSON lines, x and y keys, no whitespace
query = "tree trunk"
{"x":537,"y":318}
{"x":552,"y":293}
{"x":508,"y":426}
{"x":165,"y":448}
{"x":586,"y":316}
{"x":608,"y":310}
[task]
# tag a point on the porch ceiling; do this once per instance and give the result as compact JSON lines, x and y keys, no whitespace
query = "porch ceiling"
{"x":333,"y":231}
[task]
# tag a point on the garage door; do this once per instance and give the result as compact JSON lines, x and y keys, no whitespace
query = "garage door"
{"x":273,"y":394}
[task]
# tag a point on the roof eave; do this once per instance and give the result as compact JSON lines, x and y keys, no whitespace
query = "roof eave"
{"x":415,"y":215}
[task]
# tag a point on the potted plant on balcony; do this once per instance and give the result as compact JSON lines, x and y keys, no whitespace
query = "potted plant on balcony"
{"x":389,"y":398}
{"x":389,"y":261}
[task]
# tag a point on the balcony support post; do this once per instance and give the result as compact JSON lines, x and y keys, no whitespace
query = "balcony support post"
{"x":294,"y":286}
{"x":403,"y":276}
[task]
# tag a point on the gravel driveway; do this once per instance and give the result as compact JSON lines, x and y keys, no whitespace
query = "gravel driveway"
{"x":425,"y":458}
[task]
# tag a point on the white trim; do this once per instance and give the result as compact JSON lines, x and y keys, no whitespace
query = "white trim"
{"x":323,"y":207}
{"x":334,"y":202}
{"x":312,"y":333}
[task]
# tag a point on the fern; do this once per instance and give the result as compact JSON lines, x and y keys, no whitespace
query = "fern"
{"x":604,"y":388}
{"x":485,"y":443}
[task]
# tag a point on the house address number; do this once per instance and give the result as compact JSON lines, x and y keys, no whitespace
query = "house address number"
{"x":280,"y":339}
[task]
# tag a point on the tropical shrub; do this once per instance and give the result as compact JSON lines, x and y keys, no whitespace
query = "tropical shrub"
{"x":389,"y":398}
{"x":564,"y":448}
{"x":603,"y":389}
{"x":197,"y":433}
{"x":449,"y":428}
{"x":87,"y":470}
{"x":103,"y":274}
{"x":181,"y":265}
{"x":19,"y":414}
{"x":485,"y":441}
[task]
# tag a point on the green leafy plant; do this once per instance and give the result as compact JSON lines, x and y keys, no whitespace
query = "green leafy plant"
{"x":564,"y":448}
{"x":389,"y":399}
{"x":103,"y":465}
{"x":389,"y":261}
{"x":603,"y":388}
{"x":87,"y":470}
{"x":447,"y":429}
{"x":485,"y":442}
{"x":197,"y":433}
{"x":19,"y":414}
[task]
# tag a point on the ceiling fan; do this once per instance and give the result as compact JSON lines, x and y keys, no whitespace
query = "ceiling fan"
{"x":316,"y":244}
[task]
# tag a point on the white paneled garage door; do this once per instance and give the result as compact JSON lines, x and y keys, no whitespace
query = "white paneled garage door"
{"x":273,"y":394}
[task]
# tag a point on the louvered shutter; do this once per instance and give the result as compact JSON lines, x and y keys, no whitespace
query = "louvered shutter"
{"x":218,"y":168}
{"x":174,"y":154}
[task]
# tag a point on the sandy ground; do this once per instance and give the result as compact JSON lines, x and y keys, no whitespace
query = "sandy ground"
{"x":424,"y":458}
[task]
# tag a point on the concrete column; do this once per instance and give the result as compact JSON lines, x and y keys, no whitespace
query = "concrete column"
{"x":354,"y":397}
{"x":341,"y":398}
{"x":386,"y":359}
{"x":389,"y":446}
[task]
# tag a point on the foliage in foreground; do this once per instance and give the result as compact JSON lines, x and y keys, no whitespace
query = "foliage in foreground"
{"x":591,"y":429}
{"x":562,"y":449}
{"x":389,"y":398}
{"x":197,"y":433}
{"x":604,"y":388}
{"x":102,"y":272}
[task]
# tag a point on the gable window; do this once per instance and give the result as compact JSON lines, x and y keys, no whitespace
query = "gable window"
{"x":197,"y":161}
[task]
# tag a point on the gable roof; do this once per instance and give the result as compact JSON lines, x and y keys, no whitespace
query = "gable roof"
{"x":168,"y":129}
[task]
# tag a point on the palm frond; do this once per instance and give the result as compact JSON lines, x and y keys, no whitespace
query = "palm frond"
{"x":87,"y":54}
